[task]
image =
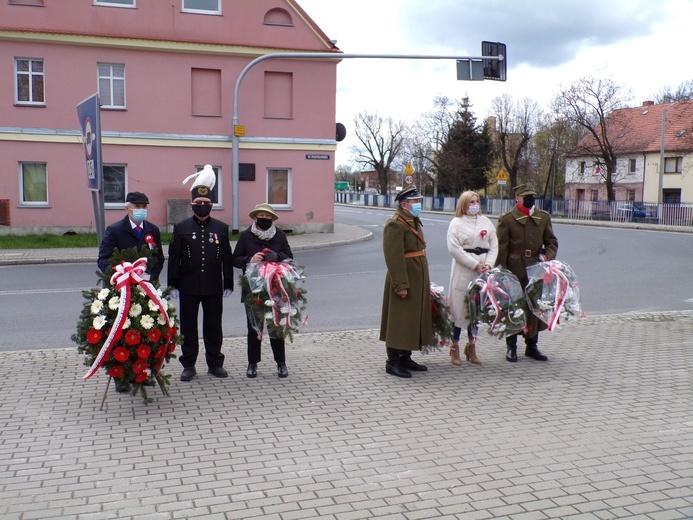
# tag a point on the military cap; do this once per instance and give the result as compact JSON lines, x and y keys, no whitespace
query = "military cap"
{"x":135,"y":197}
{"x":524,"y":189}
{"x":410,"y":192}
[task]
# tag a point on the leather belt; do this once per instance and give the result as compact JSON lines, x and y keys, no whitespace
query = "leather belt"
{"x":527,"y":253}
{"x":414,"y":254}
{"x":477,"y":250}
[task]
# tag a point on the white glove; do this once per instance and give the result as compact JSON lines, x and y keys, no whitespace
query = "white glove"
{"x":227,"y":293}
{"x":175,"y":293}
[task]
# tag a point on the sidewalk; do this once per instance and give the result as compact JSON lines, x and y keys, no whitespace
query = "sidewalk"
{"x":602,"y":430}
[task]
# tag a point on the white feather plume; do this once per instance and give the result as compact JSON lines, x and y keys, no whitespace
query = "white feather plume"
{"x":205,"y":177}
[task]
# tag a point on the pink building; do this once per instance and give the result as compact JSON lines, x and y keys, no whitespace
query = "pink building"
{"x":165,"y":72}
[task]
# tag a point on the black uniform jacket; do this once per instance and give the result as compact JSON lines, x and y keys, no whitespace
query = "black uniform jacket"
{"x":249,"y":244}
{"x":120,"y":235}
{"x":199,"y":257}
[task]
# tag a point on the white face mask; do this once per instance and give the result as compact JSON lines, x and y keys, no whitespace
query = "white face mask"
{"x":473,"y":209}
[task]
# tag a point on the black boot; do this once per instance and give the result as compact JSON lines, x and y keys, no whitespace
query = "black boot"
{"x":532,"y":350}
{"x":511,"y":343}
{"x":393,"y":365}
{"x":408,"y":363}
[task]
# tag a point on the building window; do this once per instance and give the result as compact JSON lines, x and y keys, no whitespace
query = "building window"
{"x":279,"y":187}
{"x":202,"y":6}
{"x":632,"y":165}
{"x":582,"y":166}
{"x":26,"y":2}
{"x":278,"y":16}
{"x":630,"y":195}
{"x":206,"y":92}
{"x":114,"y":187}
{"x":29,"y":84}
{"x":33,"y":184}
{"x":111,"y":85}
{"x":671,"y":196}
{"x":115,"y":3}
{"x":278,"y":95}
{"x":214,"y":194}
{"x":673,"y":164}
{"x":595,"y":195}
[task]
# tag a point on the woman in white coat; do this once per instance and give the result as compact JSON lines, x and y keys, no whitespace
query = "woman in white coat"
{"x":473,"y":245}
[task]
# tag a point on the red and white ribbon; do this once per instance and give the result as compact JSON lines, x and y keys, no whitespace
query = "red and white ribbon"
{"x":492,"y":289}
{"x":554,"y":269}
{"x":126,"y":275}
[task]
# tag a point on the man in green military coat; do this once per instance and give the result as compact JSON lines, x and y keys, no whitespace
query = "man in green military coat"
{"x":525,"y":237}
{"x":406,"y":323}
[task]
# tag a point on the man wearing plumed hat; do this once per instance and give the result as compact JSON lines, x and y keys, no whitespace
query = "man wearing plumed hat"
{"x":201,"y":273}
{"x":132,"y":231}
{"x":406,"y":322}
{"x":525,"y":237}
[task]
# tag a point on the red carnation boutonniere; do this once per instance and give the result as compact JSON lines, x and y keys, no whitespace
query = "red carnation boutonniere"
{"x":149,"y":239}
{"x":484,"y":233}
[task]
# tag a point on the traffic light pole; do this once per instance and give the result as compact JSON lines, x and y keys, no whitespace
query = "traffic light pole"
{"x":235,"y":137}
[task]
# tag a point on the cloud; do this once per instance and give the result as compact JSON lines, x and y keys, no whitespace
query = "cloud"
{"x":539,"y":33}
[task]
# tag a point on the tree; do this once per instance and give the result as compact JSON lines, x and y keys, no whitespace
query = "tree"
{"x":381,"y":141}
{"x":553,"y":139}
{"x":683,"y":92}
{"x":465,"y":156}
{"x":515,"y":125}
{"x":593,"y":105}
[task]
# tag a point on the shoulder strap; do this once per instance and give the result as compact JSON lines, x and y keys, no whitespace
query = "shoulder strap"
{"x":418,"y":235}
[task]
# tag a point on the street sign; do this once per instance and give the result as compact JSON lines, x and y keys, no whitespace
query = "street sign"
{"x":89,"y":113}
{"x":239,"y":131}
{"x":502,"y":176}
{"x":501,"y":183}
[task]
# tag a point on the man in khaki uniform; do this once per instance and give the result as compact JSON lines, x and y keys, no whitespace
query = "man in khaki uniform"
{"x":406,"y":323}
{"x":525,"y":237}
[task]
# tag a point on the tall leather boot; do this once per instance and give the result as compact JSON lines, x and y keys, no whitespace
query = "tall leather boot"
{"x":511,"y":343}
{"x":393,"y":365}
{"x":455,"y":354}
{"x":408,"y":363}
{"x":470,"y":353}
{"x":532,"y":349}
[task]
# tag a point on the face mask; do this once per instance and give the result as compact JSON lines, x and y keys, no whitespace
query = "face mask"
{"x":139,"y":215}
{"x":202,"y":210}
{"x":263,"y":223}
{"x":528,"y":201}
{"x":473,"y":209}
{"x":415,"y":209}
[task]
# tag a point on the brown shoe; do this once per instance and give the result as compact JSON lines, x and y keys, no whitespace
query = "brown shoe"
{"x":455,"y":354}
{"x":470,"y":353}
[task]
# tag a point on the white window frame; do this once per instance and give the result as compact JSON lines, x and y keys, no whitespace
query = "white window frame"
{"x":112,"y":79}
{"x":128,"y":4}
{"x":23,"y":202}
{"x":217,"y":185}
{"x":196,"y":10}
{"x":116,"y":204}
{"x":31,"y":74}
{"x":289,"y":189}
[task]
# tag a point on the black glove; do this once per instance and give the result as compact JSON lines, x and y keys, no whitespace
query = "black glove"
{"x":271,"y":256}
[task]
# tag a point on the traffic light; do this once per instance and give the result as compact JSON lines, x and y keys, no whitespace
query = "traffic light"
{"x":494,"y":68}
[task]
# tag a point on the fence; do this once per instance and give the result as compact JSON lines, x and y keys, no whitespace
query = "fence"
{"x":614,"y":211}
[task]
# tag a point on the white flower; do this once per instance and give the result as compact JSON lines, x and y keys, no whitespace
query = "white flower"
{"x":127,"y":323}
{"x":99,"y":322}
{"x":114,"y":303}
{"x":96,"y":306}
{"x":147,"y":322}
{"x":269,"y":303}
{"x":171,"y":321}
{"x":140,"y":291}
{"x":161,"y":319}
{"x":103,"y":293}
{"x":153,"y":306}
{"x":269,"y":316}
{"x":135,"y":310}
{"x":285,"y":309}
{"x":160,"y":292}
{"x":293,"y":312}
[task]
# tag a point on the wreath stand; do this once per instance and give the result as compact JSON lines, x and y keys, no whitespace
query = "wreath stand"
{"x":163,"y":388}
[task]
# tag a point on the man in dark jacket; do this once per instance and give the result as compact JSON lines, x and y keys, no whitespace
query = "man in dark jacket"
{"x":200,"y":271}
{"x":132,"y":231}
{"x":525,"y":237}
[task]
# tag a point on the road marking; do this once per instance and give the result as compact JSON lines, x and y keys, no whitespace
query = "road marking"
{"x":43,"y":291}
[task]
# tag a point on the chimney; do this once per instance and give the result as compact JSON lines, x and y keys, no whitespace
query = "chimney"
{"x":648,"y":103}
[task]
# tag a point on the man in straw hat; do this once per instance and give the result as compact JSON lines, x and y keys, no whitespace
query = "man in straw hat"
{"x":525,"y":237}
{"x":406,"y":323}
{"x":200,"y":270}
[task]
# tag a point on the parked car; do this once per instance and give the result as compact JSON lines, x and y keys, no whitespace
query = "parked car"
{"x":631,"y":210}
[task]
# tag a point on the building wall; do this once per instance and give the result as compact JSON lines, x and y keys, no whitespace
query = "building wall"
{"x":158,"y":135}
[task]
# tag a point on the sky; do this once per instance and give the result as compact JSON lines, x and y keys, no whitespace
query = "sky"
{"x":642,"y":45}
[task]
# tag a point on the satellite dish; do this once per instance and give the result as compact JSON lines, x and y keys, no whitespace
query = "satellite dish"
{"x":341,"y":132}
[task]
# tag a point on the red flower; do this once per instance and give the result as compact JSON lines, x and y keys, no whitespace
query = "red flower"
{"x":483,"y":233}
{"x":143,"y":351}
{"x":161,"y":352}
{"x":172,"y":347}
{"x":132,"y":337}
{"x":149,"y":239}
{"x":115,"y":371}
{"x":121,"y":354}
{"x":94,"y":336}
{"x":154,"y":335}
{"x":141,"y":377}
{"x":547,"y":277}
{"x":140,"y":366}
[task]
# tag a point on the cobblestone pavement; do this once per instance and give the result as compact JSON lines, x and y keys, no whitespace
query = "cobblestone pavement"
{"x":602,"y":430}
